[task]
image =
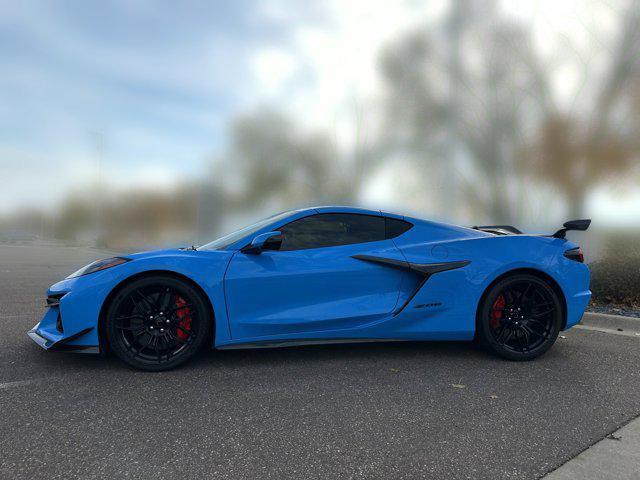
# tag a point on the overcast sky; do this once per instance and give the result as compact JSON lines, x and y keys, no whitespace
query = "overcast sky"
{"x":158,"y":81}
{"x":157,"y":84}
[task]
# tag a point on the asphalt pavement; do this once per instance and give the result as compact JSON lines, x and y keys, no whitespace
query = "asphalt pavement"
{"x":385,"y":410}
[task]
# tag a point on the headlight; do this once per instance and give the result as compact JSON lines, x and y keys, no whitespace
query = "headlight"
{"x":99,"y":265}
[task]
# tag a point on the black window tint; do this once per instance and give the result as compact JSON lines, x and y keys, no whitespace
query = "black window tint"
{"x":394,"y":227}
{"x":331,"y":229}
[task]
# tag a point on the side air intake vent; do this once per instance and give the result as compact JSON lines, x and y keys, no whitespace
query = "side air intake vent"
{"x":54,"y":300}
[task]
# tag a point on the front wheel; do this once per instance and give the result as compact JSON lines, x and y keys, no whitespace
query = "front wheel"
{"x":157,"y":323}
{"x":520,"y":317}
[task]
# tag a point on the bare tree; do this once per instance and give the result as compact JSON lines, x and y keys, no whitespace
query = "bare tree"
{"x":497,"y":79}
{"x":497,"y":101}
{"x":576,"y":150}
{"x":270,"y":159}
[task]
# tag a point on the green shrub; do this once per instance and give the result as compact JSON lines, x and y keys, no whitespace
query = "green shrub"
{"x":615,"y":279}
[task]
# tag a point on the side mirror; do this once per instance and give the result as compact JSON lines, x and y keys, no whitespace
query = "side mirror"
{"x":259,"y":241}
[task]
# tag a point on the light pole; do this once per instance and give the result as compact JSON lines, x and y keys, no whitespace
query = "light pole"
{"x":99,"y":198}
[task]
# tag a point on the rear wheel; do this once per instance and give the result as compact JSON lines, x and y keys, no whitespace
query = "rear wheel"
{"x":157,"y":323}
{"x":520,"y":317}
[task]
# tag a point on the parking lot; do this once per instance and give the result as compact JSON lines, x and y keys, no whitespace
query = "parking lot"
{"x":386,"y":410}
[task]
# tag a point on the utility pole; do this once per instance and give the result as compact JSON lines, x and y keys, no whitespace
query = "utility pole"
{"x":99,"y":149}
{"x":198,"y":212}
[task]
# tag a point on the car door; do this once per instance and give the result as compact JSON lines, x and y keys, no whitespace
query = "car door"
{"x":310,"y":283}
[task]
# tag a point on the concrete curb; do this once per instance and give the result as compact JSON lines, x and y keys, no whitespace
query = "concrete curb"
{"x":610,"y":323}
{"x":616,"y":456}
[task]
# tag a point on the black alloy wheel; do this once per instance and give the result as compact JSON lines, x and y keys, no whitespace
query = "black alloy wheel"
{"x":157,"y":323}
{"x":520,"y":317}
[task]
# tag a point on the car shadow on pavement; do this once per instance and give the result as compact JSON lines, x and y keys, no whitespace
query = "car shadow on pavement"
{"x":309,"y":355}
{"x":356,"y":352}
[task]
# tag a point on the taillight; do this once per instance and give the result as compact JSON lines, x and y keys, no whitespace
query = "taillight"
{"x":575,"y":254}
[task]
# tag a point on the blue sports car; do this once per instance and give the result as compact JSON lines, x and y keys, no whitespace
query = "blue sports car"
{"x":325,"y":275}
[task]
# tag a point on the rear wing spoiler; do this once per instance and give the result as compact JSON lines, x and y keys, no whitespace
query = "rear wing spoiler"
{"x":581,"y":225}
{"x":511,"y":230}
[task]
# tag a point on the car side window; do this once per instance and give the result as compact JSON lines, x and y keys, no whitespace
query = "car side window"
{"x":330,"y":230}
{"x":395,"y":227}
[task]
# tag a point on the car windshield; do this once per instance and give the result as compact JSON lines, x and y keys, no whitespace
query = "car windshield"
{"x":223,"y":242}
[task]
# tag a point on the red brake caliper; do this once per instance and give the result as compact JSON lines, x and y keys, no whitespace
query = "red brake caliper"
{"x":496,"y":311}
{"x":184,"y":314}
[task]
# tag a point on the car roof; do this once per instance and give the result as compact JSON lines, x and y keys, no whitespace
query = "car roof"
{"x":356,"y":210}
{"x":343,"y":209}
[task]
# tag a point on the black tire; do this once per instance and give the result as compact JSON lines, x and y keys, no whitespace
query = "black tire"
{"x":519,"y":318}
{"x":158,"y":322}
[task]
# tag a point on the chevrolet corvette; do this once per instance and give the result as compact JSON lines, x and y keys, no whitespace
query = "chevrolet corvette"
{"x":324,"y":275}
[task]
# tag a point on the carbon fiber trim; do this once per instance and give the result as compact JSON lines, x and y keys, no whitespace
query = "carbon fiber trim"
{"x":425,"y":269}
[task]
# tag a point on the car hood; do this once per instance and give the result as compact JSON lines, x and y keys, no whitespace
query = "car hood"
{"x":157,"y":253}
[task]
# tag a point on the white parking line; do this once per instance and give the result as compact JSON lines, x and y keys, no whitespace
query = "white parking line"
{"x":624,"y":333}
{"x":19,"y":383}
{"x":610,"y":316}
